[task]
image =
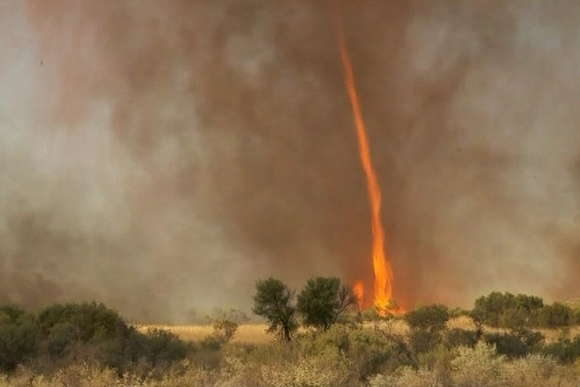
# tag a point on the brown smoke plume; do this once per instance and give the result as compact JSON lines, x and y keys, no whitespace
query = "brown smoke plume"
{"x":161,"y":156}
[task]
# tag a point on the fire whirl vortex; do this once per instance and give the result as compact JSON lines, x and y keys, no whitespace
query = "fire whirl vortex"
{"x":383,"y":289}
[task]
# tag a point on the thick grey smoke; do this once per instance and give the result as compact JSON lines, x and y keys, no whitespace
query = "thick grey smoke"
{"x":162,"y":156}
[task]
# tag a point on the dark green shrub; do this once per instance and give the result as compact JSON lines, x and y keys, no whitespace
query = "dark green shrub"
{"x":62,"y":335}
{"x":422,"y":340}
{"x":516,"y":344}
{"x":87,"y":331}
{"x":428,"y":317}
{"x":88,"y":320}
{"x":506,"y":310}
{"x":457,"y":337}
{"x":61,"y":338}
{"x":155,"y":351}
{"x":489,"y":308}
{"x":123,"y":353}
{"x":164,"y":347}
{"x":564,"y":349}
{"x":555,"y":316}
{"x":18,"y":337}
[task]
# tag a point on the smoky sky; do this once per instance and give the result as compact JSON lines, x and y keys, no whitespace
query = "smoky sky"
{"x":163,"y":156}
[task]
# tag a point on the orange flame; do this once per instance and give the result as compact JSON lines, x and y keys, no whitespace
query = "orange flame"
{"x":359,"y":292}
{"x":383,"y":291}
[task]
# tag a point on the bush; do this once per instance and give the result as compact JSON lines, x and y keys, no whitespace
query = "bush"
{"x":532,"y":370}
{"x":87,"y":320}
{"x":564,"y":349}
{"x":367,"y":351}
{"x":516,"y":344}
{"x":478,"y":366}
{"x":457,"y":337}
{"x":60,"y":340}
{"x":506,"y":310}
{"x":555,"y":316}
{"x":429,"y":317}
{"x":88,"y":331}
{"x":163,"y":347}
{"x":63,"y":335}
{"x":438,"y":361}
{"x":18,"y":337}
{"x":422,"y":341}
{"x":224,"y":326}
{"x":407,"y":376}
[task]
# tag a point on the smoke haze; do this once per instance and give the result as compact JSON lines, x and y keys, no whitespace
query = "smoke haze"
{"x":162,"y":156}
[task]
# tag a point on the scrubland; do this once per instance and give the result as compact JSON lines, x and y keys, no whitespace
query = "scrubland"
{"x":373,"y":355}
{"x":91,"y":345}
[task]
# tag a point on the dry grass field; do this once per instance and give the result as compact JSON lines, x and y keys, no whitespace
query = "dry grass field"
{"x":251,"y":333}
{"x":255,"y":333}
{"x":246,"y":333}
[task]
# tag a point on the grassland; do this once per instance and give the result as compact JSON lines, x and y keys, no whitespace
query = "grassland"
{"x":246,"y":333}
{"x":255,"y":333}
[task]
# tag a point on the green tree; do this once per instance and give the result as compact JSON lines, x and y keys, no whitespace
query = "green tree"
{"x":275,"y":302}
{"x":323,"y":300}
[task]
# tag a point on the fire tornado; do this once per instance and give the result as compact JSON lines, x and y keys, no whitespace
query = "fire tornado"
{"x":383,"y":288}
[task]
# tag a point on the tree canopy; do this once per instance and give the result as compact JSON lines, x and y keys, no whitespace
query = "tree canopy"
{"x":323,"y":300}
{"x":275,"y":302}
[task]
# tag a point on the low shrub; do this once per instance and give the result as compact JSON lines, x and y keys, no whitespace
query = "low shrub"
{"x":477,"y":366}
{"x":367,"y":351}
{"x":62,"y":335}
{"x":225,"y":326}
{"x":428,"y":317}
{"x":564,"y":349}
{"x":422,"y":341}
{"x":457,"y":337}
{"x":516,"y":344}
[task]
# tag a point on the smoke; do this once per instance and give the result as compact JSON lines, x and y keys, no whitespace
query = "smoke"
{"x":162,"y":156}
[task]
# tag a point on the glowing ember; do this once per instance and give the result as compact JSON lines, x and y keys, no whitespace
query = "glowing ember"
{"x":381,"y":266}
